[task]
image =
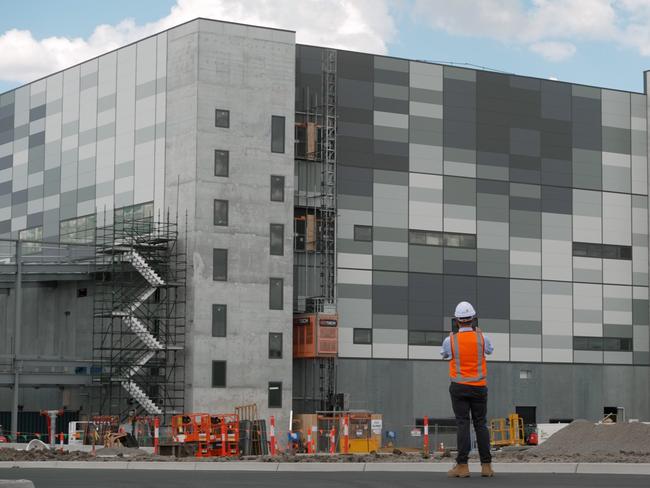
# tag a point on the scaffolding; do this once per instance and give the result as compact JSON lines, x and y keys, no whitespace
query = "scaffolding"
{"x":315,"y":225}
{"x":139,"y":319}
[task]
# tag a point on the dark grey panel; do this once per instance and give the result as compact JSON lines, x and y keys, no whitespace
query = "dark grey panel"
{"x":425,"y":307}
{"x":35,"y":220}
{"x":355,"y":115}
{"x":527,"y":204}
{"x":524,"y":142}
{"x":22,"y":131}
{"x":392,"y":105}
{"x":525,"y":169}
{"x":7,"y":136}
{"x":6,"y":123}
{"x":36,"y":159}
{"x":557,"y":200}
{"x":525,"y":327}
{"x":459,"y":93}
{"x":493,"y":187}
{"x":5,"y":188}
{"x":556,"y":100}
{"x":461,"y":135}
{"x":19,"y":197}
{"x":37,"y":139}
{"x":557,"y":172}
{"x":355,"y":151}
{"x":352,"y":180}
{"x":425,"y":96}
{"x":37,"y":113}
{"x":391,"y":77}
{"x":68,"y":199}
{"x":34,"y":192}
{"x":355,"y":93}
{"x":617,"y":140}
{"x":617,"y":330}
{"x":493,"y":298}
{"x":493,"y":262}
{"x":6,"y":162}
{"x":392,"y":300}
{"x":459,"y":191}
{"x":85,"y":194}
{"x":457,"y":266}
{"x":457,"y":289}
{"x":640,"y":312}
{"x":355,"y":66}
{"x":5,"y":227}
{"x":51,"y":182}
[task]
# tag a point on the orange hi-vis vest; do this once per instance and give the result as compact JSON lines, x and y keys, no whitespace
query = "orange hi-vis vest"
{"x":467,"y":365}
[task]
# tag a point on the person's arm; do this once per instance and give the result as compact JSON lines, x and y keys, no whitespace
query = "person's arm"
{"x":487,"y":345}
{"x":445,"y":350}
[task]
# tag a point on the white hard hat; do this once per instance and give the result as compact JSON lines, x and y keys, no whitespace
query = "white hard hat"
{"x":464,"y":310}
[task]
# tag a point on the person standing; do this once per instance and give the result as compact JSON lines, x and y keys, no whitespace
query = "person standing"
{"x":466,"y":350}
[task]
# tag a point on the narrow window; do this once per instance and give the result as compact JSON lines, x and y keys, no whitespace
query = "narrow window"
{"x":221,"y":212}
{"x":222,"y":118}
{"x":362,"y":336}
{"x":219,"y":320}
{"x":275,"y":394}
{"x":277,"y":134}
{"x":218,"y":374}
{"x":277,"y":239}
{"x":277,"y":188}
{"x":221,"y":162}
{"x":276,"y":293}
{"x":275,"y":345}
{"x":220,"y":264}
{"x":362,"y":233}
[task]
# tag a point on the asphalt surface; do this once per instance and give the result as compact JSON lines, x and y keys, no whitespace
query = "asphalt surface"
{"x":101,"y":478}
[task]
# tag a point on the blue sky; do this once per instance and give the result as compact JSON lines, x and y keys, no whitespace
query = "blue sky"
{"x":595,"y":42}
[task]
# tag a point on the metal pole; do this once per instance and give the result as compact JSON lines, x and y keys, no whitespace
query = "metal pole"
{"x":17,"y":323}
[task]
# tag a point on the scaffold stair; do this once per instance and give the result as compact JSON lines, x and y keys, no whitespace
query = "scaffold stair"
{"x":133,"y":369}
{"x":143,"y":268}
{"x":141,"y":397}
{"x":139,"y":329}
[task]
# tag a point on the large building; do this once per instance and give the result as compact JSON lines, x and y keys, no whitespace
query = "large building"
{"x":303,"y":178}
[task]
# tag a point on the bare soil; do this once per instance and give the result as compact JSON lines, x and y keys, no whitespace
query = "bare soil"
{"x":582,"y":441}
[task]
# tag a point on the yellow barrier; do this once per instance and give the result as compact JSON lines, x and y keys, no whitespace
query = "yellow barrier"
{"x":507,"y":431}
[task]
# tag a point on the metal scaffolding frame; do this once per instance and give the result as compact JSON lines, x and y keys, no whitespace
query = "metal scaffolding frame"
{"x":318,"y":261}
{"x":139,"y":319}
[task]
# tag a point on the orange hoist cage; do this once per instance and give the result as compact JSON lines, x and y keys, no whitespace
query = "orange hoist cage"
{"x":315,"y":335}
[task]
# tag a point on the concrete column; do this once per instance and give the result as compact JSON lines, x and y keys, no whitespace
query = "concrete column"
{"x":17,"y":319}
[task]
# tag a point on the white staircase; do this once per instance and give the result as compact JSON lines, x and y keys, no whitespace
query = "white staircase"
{"x":141,"y":397}
{"x":141,"y":331}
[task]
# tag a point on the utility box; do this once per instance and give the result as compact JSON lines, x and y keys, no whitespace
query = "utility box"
{"x":315,"y":335}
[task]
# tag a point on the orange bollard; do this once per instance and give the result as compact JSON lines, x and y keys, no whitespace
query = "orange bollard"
{"x":272,"y":422}
{"x":309,"y":441}
{"x":426,"y":435}
{"x":156,"y":436}
{"x":332,"y":440}
{"x":346,"y":434}
{"x":224,"y":450}
{"x":61,"y":440}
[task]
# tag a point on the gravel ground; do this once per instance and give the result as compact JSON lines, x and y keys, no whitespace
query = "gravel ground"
{"x":582,"y":441}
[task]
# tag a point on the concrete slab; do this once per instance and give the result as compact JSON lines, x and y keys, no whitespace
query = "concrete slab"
{"x":614,"y":468}
{"x":329,"y":467}
{"x":171,"y":465}
{"x":16,"y":484}
{"x":238,"y":466}
{"x":532,"y":467}
{"x":90,"y":464}
{"x":410,"y":467}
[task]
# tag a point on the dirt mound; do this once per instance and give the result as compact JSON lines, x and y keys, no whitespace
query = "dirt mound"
{"x":16,"y":455}
{"x":589,"y":442}
{"x":121,"y":452}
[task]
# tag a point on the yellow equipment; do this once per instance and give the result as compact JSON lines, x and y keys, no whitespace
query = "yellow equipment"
{"x":507,"y":431}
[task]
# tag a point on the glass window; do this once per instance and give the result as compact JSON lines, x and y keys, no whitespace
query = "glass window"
{"x":610,"y":252}
{"x":275,"y":345}
{"x":275,"y":394}
{"x":588,"y":343}
{"x":425,"y":238}
{"x":80,"y":229}
{"x":220,"y":264}
{"x":218,"y":374}
{"x":276,"y":293}
{"x":221,"y":212}
{"x":221,"y":162}
{"x":362,"y":233}
{"x":362,"y":336}
{"x":434,"y":239}
{"x":277,"y":239}
{"x":222,"y":118}
{"x":277,"y":134}
{"x":219,"y":320}
{"x":277,"y":188}
{"x":426,"y":338}
{"x":33,"y":234}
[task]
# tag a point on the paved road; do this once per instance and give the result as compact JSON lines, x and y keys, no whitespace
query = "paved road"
{"x":101,"y":478}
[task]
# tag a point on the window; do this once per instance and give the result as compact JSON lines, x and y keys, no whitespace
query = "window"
{"x":221,"y":212}
{"x":616,"y":344}
{"x":447,"y":239}
{"x":605,"y":251}
{"x":277,"y":188}
{"x":275,"y":394}
{"x":80,"y":229}
{"x":362,"y":336}
{"x":276,"y":293}
{"x":220,"y":264}
{"x":465,"y":241}
{"x":425,"y":238}
{"x":275,"y":345}
{"x":222,"y":118}
{"x":426,"y":338}
{"x":362,"y":233}
{"x":137,"y":217}
{"x":219,"y":320}
{"x":82,"y":292}
{"x":33,"y":234}
{"x":525,"y":374}
{"x":221,"y":162}
{"x":277,"y":239}
{"x":277,"y":134}
{"x":218,"y":374}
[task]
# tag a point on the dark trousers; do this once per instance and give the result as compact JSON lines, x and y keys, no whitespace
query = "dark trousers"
{"x":466,"y":399}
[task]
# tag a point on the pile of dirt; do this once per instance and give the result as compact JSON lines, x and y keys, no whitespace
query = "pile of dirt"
{"x":121,"y":452}
{"x":45,"y":455}
{"x":584,"y":441}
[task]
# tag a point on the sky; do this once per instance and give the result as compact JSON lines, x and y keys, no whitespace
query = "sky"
{"x":595,"y":42}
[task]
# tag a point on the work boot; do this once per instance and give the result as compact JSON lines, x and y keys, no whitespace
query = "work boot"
{"x":486,"y":470}
{"x":459,"y":471}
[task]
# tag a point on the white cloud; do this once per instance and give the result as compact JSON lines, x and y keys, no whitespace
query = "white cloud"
{"x":363,"y":25}
{"x":554,"y":51}
{"x":550,"y":28}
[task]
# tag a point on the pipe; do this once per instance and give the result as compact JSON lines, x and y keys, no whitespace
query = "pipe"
{"x":17,"y":325}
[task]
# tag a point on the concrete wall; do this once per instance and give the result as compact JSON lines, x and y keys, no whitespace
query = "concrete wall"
{"x":250,"y":72}
{"x":404,"y":390}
